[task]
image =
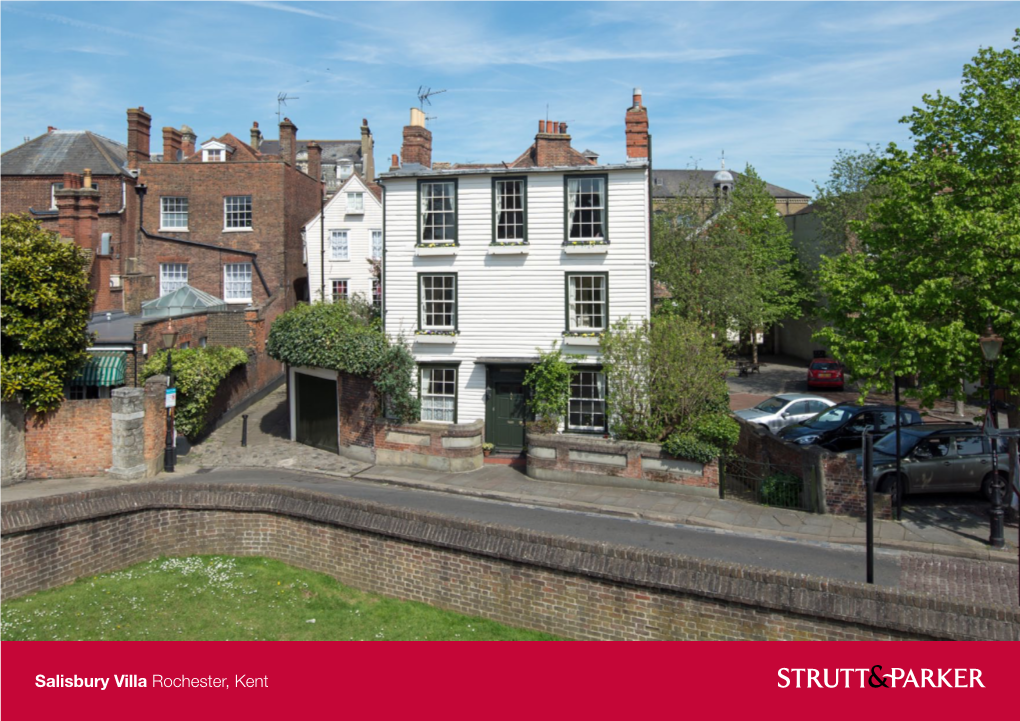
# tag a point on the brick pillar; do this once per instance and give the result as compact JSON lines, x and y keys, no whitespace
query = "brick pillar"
{"x":12,"y":459}
{"x":127,"y":415}
{"x":173,"y":143}
{"x":637,"y":128}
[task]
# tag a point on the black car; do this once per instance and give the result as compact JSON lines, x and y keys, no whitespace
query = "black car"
{"x":839,"y":428}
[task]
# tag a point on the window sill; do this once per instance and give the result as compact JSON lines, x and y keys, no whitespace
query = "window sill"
{"x":238,"y":301}
{"x":435,"y":339}
{"x":238,"y":230}
{"x":339,"y":260}
{"x":438,"y":250}
{"x":586,"y":249}
{"x":509,"y":249}
{"x":582,"y":340}
{"x":173,"y":230}
{"x":354,"y":212}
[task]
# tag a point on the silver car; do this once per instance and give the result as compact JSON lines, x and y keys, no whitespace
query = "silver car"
{"x":784,"y":410}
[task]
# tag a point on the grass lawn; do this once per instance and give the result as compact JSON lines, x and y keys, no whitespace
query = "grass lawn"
{"x":222,"y":598}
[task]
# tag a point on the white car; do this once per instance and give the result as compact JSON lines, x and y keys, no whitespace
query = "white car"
{"x":784,"y":410}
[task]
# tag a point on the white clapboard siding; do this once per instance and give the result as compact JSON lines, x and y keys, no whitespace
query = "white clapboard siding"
{"x":357,"y":270}
{"x":513,"y":305}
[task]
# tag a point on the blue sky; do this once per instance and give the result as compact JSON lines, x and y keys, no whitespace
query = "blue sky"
{"x":782,"y":86}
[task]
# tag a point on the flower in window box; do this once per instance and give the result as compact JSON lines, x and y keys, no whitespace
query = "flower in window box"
{"x":436,"y":332}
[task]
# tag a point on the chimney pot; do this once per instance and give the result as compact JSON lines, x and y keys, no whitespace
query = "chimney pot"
{"x":394,"y":162}
{"x":563,"y":128}
{"x":541,"y":126}
{"x":50,"y":129}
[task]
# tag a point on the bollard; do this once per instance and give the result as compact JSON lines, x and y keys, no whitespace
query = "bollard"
{"x":244,"y":431}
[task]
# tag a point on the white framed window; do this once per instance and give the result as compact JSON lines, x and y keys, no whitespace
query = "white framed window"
{"x":339,"y":287}
{"x":53,"y":194}
{"x":508,"y":207}
{"x":377,"y":294}
{"x":438,"y":302}
{"x":437,"y":208}
{"x":237,"y":282}
{"x":173,"y":213}
{"x":377,"y":244}
{"x":338,"y":245}
{"x":587,"y":410}
{"x":237,"y":212}
{"x":345,"y":170}
{"x":212,"y":155}
{"x":586,"y":208}
{"x":587,"y":302}
{"x":439,"y":394}
{"x":171,"y":277}
{"x":355,"y":202}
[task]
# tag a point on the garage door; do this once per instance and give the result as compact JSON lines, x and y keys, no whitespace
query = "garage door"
{"x":316,"y":412}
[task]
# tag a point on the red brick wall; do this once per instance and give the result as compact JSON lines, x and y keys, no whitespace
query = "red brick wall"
{"x":435,"y":432}
{"x":357,"y":411}
{"x":74,"y":440}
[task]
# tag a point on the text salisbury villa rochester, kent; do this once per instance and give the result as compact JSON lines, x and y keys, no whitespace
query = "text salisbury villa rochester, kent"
{"x":135,"y":681}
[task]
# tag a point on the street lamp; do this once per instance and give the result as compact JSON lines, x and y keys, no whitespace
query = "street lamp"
{"x":169,"y":341}
{"x":991,"y":344}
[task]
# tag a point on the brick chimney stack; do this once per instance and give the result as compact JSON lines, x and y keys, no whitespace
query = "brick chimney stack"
{"x":173,"y":143}
{"x":395,"y":162}
{"x":367,"y":151}
{"x":78,"y":210}
{"x":315,"y":160}
{"x":50,"y":129}
{"x":637,"y":128}
{"x":417,"y":141}
{"x":139,"y":128}
{"x":288,"y":142}
{"x":188,"y":139}
{"x":256,"y":136}
{"x":552,"y":144}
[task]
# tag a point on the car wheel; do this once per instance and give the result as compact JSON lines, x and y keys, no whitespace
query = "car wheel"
{"x":986,"y":486}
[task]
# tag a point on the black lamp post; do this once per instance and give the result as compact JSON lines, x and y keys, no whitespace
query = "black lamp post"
{"x":169,"y":454}
{"x":991,"y":344}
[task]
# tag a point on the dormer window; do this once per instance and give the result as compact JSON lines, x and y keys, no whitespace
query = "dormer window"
{"x":215,"y":152}
{"x":346,"y":168}
{"x":213,"y":156}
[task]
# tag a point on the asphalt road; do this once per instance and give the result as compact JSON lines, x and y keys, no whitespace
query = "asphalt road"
{"x":798,"y":556}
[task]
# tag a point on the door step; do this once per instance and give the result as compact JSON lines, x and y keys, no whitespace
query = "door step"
{"x":506,"y":458}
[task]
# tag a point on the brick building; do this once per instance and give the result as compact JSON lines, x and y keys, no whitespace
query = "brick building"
{"x":339,"y":159}
{"x":44,"y":177}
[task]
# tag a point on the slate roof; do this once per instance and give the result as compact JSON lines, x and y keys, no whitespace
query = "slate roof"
{"x":699,"y":182}
{"x":332,"y":150}
{"x":66,"y":151}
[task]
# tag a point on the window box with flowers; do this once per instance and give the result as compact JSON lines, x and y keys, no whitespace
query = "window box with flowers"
{"x":588,"y":339}
{"x":585,"y":247}
{"x":436,"y":337}
{"x":436,"y":249}
{"x":515,"y":247}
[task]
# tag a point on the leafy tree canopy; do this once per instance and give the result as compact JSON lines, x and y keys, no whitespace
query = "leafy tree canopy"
{"x":46,"y":303}
{"x":942,"y":242}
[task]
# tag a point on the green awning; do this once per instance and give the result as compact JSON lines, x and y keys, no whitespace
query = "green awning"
{"x":104,"y":368}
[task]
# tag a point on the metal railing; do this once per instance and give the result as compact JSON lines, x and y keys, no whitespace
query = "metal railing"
{"x":769,"y":484}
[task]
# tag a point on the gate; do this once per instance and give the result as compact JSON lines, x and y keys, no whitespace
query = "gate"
{"x":767,"y":483}
{"x":316,"y":412}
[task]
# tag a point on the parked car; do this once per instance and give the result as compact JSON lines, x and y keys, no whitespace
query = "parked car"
{"x":839,"y":428}
{"x":825,"y":373}
{"x":938,"y":457}
{"x":784,"y":410}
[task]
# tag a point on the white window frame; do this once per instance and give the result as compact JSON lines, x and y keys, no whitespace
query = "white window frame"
{"x":355,"y":202}
{"x":587,"y":194}
{"x":231,"y":281}
{"x":505,"y":218}
{"x":212,"y":155}
{"x":377,"y":245}
{"x":339,"y":245}
{"x":577,"y":307}
{"x":54,"y":187}
{"x":171,"y":277}
{"x":431,"y":306}
{"x":587,"y":405}
{"x":438,"y":391}
{"x":238,"y":212}
{"x":346,"y":295}
{"x":435,"y":219}
{"x":175,"y":213}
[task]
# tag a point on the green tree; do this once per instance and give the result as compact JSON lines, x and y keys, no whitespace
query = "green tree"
{"x":943,"y":244}
{"x":845,"y":197}
{"x":46,"y":302}
{"x":737,"y":269}
{"x":549,"y":381}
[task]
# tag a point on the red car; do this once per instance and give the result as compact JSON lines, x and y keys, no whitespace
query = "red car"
{"x":825,"y":373}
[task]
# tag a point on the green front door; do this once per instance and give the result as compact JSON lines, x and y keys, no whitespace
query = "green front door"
{"x":506,"y":410}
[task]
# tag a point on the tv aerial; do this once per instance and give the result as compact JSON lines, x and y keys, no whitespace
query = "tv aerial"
{"x":425,"y":93}
{"x":281,"y":101}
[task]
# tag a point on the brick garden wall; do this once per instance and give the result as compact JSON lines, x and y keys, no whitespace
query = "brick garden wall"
{"x":74,"y":440}
{"x":574,"y":588}
{"x":357,"y":411}
{"x":576,"y":458}
{"x":451,"y":448}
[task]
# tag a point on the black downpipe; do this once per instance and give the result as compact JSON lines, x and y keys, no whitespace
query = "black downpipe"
{"x":209,"y":246}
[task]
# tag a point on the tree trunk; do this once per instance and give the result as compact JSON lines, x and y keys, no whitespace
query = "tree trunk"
{"x":754,"y":346}
{"x":959,"y":404}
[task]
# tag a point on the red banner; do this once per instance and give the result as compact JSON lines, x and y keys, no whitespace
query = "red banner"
{"x":505,"y":680}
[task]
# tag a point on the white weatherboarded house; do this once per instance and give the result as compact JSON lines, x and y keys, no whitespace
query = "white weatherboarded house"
{"x":484,"y":265}
{"x":343,"y":256}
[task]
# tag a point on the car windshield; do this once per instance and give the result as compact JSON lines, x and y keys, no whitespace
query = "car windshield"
{"x":888,"y":444}
{"x":831,"y":418}
{"x":820,"y":366}
{"x":772,"y":405}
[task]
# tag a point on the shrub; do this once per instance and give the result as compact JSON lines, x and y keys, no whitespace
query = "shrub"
{"x":689,"y":447}
{"x":719,"y":429}
{"x":780,"y":489}
{"x":45,"y":308}
{"x":549,"y":381}
{"x":345,"y":336}
{"x":198,"y":373}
